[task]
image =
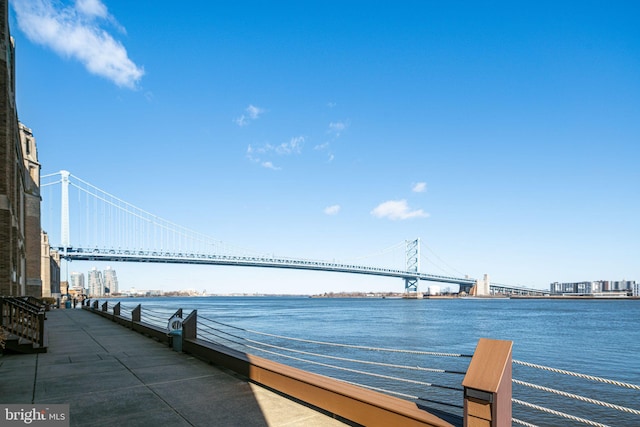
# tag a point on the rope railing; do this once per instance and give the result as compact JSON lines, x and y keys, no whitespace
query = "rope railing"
{"x":240,"y":338}
{"x":356,"y":371}
{"x":578,"y":375}
{"x":573,"y":396}
{"x":155,"y":320}
{"x":359,"y":347}
{"x":309,"y":353}
{"x":125,"y":311}
{"x":523,"y":423}
{"x":578,"y":397}
{"x":559,"y":414}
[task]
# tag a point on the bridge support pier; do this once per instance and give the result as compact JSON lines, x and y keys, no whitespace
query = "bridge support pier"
{"x":482,"y":288}
{"x":411,"y":288}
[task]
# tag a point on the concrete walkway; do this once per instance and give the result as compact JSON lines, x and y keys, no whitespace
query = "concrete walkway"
{"x":112,"y":376}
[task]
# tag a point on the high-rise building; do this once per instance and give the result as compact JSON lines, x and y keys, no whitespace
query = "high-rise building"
{"x":77,"y":282}
{"x":95,"y":282}
{"x":110,"y":281}
{"x":595,"y":287}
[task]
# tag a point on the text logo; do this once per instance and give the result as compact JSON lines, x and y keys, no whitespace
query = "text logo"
{"x":34,"y":415}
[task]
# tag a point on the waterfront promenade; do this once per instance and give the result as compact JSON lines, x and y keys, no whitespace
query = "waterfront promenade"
{"x":112,"y":376}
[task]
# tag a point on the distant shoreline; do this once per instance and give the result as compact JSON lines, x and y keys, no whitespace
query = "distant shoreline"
{"x":386,"y":296}
{"x":587,"y":297}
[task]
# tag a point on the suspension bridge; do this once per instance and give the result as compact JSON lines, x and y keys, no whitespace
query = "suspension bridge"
{"x":107,"y":228}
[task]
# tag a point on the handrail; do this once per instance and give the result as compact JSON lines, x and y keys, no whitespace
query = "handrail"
{"x":23,"y":318}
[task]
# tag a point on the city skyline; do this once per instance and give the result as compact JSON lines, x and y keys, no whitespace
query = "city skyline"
{"x":503,"y":136}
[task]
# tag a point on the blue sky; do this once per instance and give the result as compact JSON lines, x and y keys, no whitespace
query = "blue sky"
{"x":506,"y":136}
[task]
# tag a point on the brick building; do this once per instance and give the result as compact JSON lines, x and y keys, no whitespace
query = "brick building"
{"x":20,"y":240}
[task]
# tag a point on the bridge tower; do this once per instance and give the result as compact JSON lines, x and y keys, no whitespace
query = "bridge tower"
{"x":64,"y":211}
{"x":413,"y":266}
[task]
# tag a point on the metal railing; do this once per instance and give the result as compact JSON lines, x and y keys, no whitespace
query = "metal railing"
{"x":24,"y":317}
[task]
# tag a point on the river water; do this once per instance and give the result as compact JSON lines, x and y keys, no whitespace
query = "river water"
{"x":595,"y":337}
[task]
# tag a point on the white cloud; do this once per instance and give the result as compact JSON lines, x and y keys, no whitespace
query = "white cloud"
{"x":242,"y":120}
{"x":75,"y":32}
{"x":332,"y":210}
{"x":336,"y":128}
{"x":293,"y":146}
{"x":257,"y":154}
{"x":419,"y":187}
{"x":92,"y":8}
{"x":270,"y":165}
{"x":252,"y":113}
{"x":397,"y":210}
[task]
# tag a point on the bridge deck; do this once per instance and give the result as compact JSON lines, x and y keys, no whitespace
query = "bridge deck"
{"x":111,"y":376}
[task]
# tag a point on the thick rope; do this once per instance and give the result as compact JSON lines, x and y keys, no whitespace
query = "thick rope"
{"x":356,"y":371}
{"x":523,"y":423}
{"x":575,"y":374}
{"x":361,"y":347}
{"x":558,"y":413}
{"x":366,"y":362}
{"x":344,"y":359}
{"x":578,"y":397}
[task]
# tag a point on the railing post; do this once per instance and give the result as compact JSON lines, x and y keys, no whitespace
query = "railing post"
{"x":487,"y":385}
{"x":190,"y":326}
{"x":135,"y":314}
{"x":95,"y":305}
{"x":41,"y":329}
{"x":116,"y":309}
{"x":105,"y":306}
{"x":178,"y":313}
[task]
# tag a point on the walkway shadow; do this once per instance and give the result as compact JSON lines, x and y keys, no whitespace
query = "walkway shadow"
{"x":113,"y":376}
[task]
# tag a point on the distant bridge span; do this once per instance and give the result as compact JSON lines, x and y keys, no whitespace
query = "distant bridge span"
{"x":103,"y":222}
{"x":118,"y":255}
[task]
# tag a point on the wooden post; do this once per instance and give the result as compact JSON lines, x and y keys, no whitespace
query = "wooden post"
{"x":487,"y":385}
{"x":135,"y":314}
{"x":190,"y":326}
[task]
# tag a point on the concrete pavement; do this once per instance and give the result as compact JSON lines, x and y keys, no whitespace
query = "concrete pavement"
{"x":112,"y":376}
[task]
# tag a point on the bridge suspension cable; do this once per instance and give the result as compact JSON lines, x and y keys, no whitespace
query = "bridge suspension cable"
{"x":103,"y":220}
{"x":449,"y":270}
